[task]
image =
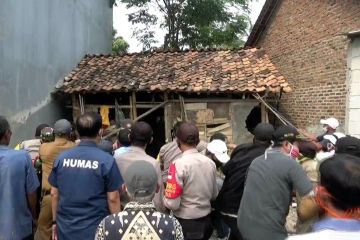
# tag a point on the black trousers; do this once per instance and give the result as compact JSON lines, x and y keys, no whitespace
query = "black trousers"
{"x":196,"y":229}
{"x":28,"y":238}
{"x":232,"y":223}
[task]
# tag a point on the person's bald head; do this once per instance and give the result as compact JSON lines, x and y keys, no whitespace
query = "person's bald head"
{"x":88,"y":125}
{"x":141,"y":134}
{"x":127,"y":123}
{"x":188,"y":134}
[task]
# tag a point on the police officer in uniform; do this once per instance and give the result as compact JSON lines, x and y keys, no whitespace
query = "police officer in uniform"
{"x":85,"y":184}
{"x":49,"y":151}
{"x":191,"y":185}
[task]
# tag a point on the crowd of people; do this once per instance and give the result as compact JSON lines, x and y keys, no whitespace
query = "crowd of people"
{"x":69,"y":183}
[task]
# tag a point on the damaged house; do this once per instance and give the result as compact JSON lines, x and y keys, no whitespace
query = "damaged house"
{"x":214,"y":88}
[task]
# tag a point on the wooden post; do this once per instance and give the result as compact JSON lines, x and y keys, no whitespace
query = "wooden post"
{"x":167,"y":119}
{"x":82,"y":104}
{"x":133,"y":96}
{"x":75,"y":107}
{"x":131,"y":108}
{"x":264,"y":114}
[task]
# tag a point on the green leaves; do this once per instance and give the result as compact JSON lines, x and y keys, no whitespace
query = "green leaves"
{"x":191,"y":23}
{"x":119,"y":45}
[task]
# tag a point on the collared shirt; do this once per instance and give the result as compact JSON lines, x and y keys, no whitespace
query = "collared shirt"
{"x":48,"y":152}
{"x":17,"y":179}
{"x":270,"y":181}
{"x":83,"y":175}
{"x":333,"y":229}
{"x":196,"y":176}
{"x":120,"y":151}
{"x":132,"y":154}
{"x":139,"y":221}
{"x":170,"y":152}
{"x":345,"y":225}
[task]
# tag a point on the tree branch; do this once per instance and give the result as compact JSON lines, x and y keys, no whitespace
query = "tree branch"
{"x":161,"y":7}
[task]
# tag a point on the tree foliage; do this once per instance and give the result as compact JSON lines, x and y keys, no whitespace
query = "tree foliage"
{"x":190,"y":23}
{"x":119,"y":45}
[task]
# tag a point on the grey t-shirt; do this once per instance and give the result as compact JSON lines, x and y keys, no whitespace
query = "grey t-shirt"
{"x":270,"y":182}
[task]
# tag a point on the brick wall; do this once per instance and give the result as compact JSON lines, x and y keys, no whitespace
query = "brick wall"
{"x":306,"y":41}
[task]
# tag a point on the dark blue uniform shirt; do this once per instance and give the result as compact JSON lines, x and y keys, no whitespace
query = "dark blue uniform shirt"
{"x":83,"y":176}
{"x":17,"y":179}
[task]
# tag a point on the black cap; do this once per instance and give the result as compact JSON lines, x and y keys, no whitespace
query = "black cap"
{"x":39,"y":128}
{"x":285,"y":133}
{"x":62,"y":127}
{"x":264,"y":132}
{"x":349,"y":145}
{"x":307,"y":149}
{"x":219,"y":136}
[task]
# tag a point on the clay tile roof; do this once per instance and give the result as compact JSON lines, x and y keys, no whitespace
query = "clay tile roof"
{"x":235,"y":71}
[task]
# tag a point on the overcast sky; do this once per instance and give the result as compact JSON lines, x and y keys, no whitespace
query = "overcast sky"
{"x":124,"y":28}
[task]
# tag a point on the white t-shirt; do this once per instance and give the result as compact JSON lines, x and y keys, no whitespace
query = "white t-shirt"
{"x":327,"y":235}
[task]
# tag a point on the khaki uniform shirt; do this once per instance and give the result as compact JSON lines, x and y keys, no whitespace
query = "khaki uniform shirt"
{"x":48,"y":153}
{"x":132,"y":154}
{"x":310,"y":166}
{"x":170,"y":152}
{"x":196,"y":174}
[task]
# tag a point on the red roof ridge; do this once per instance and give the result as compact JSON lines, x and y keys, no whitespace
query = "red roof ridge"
{"x":149,"y":52}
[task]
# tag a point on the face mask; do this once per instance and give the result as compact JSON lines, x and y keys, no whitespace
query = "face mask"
{"x":294,"y":152}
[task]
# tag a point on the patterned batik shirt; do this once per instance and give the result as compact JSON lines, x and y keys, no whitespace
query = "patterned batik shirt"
{"x":139,"y":222}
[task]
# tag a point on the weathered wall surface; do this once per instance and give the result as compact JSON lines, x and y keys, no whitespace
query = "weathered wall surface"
{"x":40,"y":42}
{"x":353,"y":120}
{"x":307,"y":42}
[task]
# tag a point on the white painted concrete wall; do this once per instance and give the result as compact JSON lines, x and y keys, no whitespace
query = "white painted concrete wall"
{"x":354,"y":89}
{"x":40,"y":42}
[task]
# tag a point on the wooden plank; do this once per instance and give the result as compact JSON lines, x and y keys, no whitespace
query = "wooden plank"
{"x":219,"y":128}
{"x":195,"y":106}
{"x":150,"y":111}
{"x":205,"y":116}
{"x":168,"y":124}
{"x":227,"y":131}
{"x":133,"y":96}
{"x":219,"y":100}
{"x":75,"y":107}
{"x":82,"y":104}
{"x":220,"y":121}
{"x":182,"y":108}
{"x":131,"y":106}
{"x":115,"y":131}
{"x":121,"y":106}
{"x":264,"y":114}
